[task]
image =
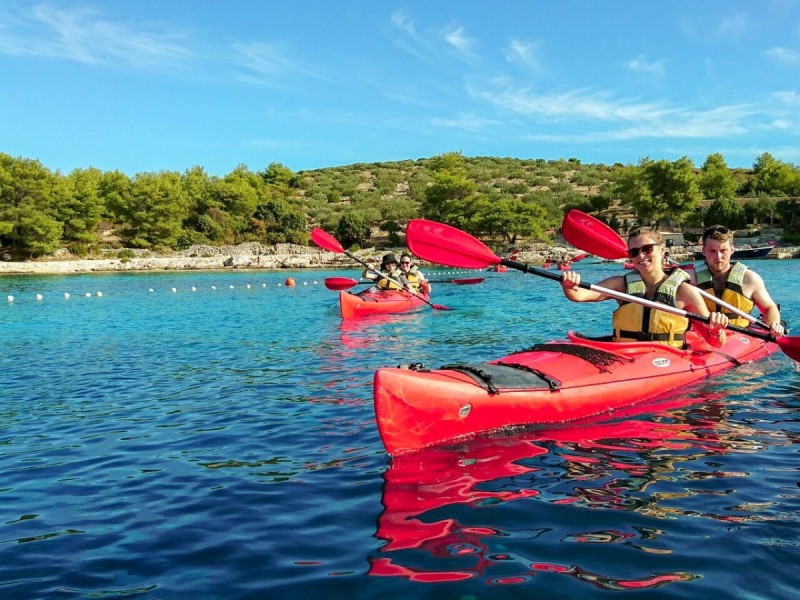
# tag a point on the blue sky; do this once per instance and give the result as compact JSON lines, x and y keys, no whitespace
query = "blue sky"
{"x":145,"y":86}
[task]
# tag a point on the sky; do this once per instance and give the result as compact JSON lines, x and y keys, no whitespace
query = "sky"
{"x":166,"y":85}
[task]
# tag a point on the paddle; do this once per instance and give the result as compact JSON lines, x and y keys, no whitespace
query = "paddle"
{"x":444,"y":244}
{"x":588,"y":233}
{"x":345,"y":283}
{"x":326,"y":241}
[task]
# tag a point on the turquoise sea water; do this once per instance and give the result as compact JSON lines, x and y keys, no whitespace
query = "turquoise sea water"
{"x":220,"y":443}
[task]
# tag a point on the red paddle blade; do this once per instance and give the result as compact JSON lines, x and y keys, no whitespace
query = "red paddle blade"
{"x":446,"y":245}
{"x":592,"y":235}
{"x":790,"y":346}
{"x":467,"y":281}
{"x":339,"y":283}
{"x":325,"y":240}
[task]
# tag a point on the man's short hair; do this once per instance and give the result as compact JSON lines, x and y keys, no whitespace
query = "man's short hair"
{"x":718,"y":232}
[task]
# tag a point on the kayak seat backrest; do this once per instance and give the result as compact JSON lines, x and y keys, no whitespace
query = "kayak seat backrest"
{"x":494,"y":377}
{"x":595,"y":356}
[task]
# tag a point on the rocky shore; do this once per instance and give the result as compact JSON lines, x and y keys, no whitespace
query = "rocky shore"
{"x":281,"y":256}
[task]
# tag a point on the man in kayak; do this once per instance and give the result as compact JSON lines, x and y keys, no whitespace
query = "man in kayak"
{"x":636,"y":323}
{"x":387,"y":270}
{"x":411,"y":276}
{"x":734,"y":283}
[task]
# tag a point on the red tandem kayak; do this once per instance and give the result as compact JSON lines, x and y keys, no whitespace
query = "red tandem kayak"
{"x":560,"y":381}
{"x":379,"y":303}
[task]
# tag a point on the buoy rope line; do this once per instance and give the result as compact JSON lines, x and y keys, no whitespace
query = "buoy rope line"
{"x":289,"y":283}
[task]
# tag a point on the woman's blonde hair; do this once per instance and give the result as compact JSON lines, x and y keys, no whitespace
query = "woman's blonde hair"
{"x":653,"y":234}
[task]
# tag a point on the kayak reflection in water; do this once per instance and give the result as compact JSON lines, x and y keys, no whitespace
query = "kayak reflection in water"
{"x":636,"y":323}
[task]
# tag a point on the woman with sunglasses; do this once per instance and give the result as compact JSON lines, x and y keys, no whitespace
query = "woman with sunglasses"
{"x":734,"y":283}
{"x":636,"y":323}
{"x":411,"y":275}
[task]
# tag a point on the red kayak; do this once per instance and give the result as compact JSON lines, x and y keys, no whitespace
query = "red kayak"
{"x":379,"y":303}
{"x":560,"y":381}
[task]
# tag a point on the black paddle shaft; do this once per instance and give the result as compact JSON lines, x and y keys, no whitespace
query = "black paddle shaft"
{"x":525,"y":268}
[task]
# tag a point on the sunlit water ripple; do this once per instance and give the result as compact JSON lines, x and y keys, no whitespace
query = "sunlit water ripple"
{"x":221,"y":444}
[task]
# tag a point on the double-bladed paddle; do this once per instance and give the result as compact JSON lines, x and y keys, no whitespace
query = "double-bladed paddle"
{"x":345,"y":283}
{"x":444,"y":244}
{"x":592,"y":235}
{"x":325,"y":240}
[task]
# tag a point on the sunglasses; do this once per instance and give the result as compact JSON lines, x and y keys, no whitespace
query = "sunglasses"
{"x":716,"y":229}
{"x":646,"y":249}
{"x":404,"y":262}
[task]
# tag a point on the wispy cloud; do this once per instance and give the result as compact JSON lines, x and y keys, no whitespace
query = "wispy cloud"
{"x":402,"y":21}
{"x":457,"y":39}
{"x":525,"y":54}
{"x":429,"y":44}
{"x":787,"y":98}
{"x":784,"y":56}
{"x":605,"y":117}
{"x":733,"y":25}
{"x":411,"y":41}
{"x":575,"y":104}
{"x":83,"y":35}
{"x":269,"y":64}
{"x":466,"y":121}
{"x":640,"y":65}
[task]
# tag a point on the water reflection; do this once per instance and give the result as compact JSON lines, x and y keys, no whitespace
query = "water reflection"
{"x":437,"y":522}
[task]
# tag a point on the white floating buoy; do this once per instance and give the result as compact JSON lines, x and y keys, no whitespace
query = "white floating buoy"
{"x":305,"y":283}
{"x":263,"y":285}
{"x":194,"y":289}
{"x":150,"y":290}
{"x":88,"y":294}
{"x":66,"y":295}
{"x":99,"y":294}
{"x":39,"y":296}
{"x":230,"y":286}
{"x":10,"y":298}
{"x":248,"y":286}
{"x":174,"y":290}
{"x":213,"y":287}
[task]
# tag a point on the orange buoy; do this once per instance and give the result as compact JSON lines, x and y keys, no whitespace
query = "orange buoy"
{"x":289,"y":282}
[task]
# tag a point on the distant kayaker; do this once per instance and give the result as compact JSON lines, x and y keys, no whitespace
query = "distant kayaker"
{"x":387,"y":270}
{"x":733,"y":283}
{"x":637,"y":323}
{"x":411,"y":276}
{"x":668,"y":261}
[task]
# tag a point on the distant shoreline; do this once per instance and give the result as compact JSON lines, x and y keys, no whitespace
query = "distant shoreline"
{"x":308,"y":259}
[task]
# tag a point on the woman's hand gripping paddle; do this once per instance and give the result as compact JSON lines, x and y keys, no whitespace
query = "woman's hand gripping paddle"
{"x":592,"y":235}
{"x":326,"y":241}
{"x":444,"y":244}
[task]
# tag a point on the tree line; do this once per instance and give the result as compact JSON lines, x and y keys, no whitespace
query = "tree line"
{"x":498,"y":199}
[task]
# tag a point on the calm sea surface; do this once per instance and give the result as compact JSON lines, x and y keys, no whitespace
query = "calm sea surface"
{"x":220,"y":443}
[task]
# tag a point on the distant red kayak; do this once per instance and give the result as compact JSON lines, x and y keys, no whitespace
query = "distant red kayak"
{"x":560,"y":381}
{"x":379,"y":303}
